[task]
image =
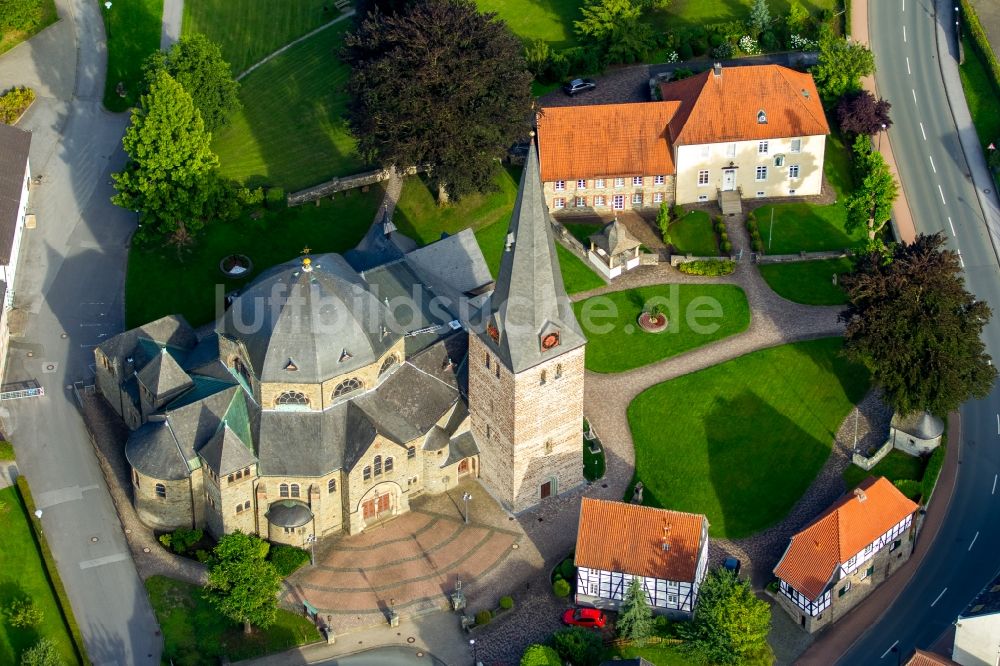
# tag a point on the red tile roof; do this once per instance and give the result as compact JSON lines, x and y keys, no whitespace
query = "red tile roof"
{"x":628,"y":538}
{"x":853,"y":522}
{"x":716,"y":109}
{"x":923,"y":658}
{"x":605,"y":141}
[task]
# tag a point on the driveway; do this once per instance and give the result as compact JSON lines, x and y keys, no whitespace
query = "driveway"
{"x":68,"y":296}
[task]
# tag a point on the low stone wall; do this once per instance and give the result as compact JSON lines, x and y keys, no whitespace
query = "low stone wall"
{"x":335,"y":185}
{"x":867,"y":462}
{"x":801,"y":256}
{"x":678,"y":259}
{"x":648,"y":259}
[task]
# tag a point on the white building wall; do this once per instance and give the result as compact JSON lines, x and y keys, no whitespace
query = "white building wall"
{"x":977,"y":640}
{"x":8,"y":271}
{"x":745,"y":157}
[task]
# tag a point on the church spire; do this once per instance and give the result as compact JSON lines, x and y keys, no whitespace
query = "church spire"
{"x":529,"y":317}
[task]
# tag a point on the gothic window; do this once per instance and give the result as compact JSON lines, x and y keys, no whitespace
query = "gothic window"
{"x":387,"y":365}
{"x":232,"y":477}
{"x":246,"y":472}
{"x":295,"y":490}
{"x":487,"y":360}
{"x":378,"y":465}
{"x":161,"y":491}
{"x":347,"y":386}
{"x":366,"y":474}
{"x":411,"y":452}
{"x":331,"y":486}
{"x":388,"y":465}
{"x":295,"y":398}
{"x":239,"y":508}
{"x":283,"y":490}
{"x":246,"y":505}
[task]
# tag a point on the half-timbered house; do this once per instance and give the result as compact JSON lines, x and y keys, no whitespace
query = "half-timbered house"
{"x":666,"y":550}
{"x":839,"y":558}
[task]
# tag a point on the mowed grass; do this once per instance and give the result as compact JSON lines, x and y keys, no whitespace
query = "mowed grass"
{"x":195,"y":634}
{"x":808,"y":282}
{"x":45,"y":16}
{"x":165,"y":280}
{"x":249,"y":30}
{"x":133,"y":30}
{"x":22,"y":575}
{"x":692,"y":234}
{"x":550,"y":21}
{"x":697,"y":314}
{"x":743,"y":440}
{"x":897,"y":466}
{"x":981,"y":94}
{"x":802,"y":227}
{"x":291,"y":132}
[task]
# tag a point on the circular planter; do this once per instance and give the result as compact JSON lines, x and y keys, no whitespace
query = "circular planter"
{"x":236,"y":265}
{"x":652,"y":324}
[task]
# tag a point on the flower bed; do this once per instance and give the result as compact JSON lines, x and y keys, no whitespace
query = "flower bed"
{"x":653,"y":323}
{"x":235,"y":265}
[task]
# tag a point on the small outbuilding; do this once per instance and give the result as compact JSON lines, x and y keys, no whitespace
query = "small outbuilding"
{"x":614,"y":249}
{"x":917,"y":433}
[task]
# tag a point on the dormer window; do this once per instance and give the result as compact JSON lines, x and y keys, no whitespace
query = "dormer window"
{"x":550,"y":340}
{"x":493,"y":332}
{"x":290,"y":366}
{"x":761,"y":117}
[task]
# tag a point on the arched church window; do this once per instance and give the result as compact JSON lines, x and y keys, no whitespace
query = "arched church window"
{"x":347,"y":386}
{"x":411,"y":452}
{"x":295,"y":490}
{"x":295,"y":398}
{"x":331,"y":486}
{"x":388,"y":465}
{"x":366,"y":474}
{"x":161,"y":491}
{"x":283,"y":490}
{"x":246,"y":505}
{"x":378,"y":465}
{"x":387,"y":365}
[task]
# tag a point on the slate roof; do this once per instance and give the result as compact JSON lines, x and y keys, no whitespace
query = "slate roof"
{"x":605,"y":140}
{"x":288,"y":513}
{"x":226,"y":452}
{"x":194,"y":422}
{"x":381,"y":244}
{"x":410,"y":305}
{"x":615,"y":238}
{"x":172,"y":330}
{"x":840,"y":533}
{"x":720,"y":108}
{"x":309,"y":316}
{"x":627,"y":662}
{"x":987,"y":602}
{"x":163,"y":375}
{"x":452,"y":266}
{"x":628,"y":538}
{"x":153,"y":451}
{"x":14,"y":146}
{"x":921,"y":425}
{"x":529,"y":299}
{"x":460,"y":447}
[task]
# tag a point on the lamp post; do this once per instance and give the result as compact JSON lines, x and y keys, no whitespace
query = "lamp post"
{"x":466,"y":496}
{"x":880,"y":138}
{"x":958,"y":31}
{"x":311,"y":540}
{"x":475,"y":653}
{"x":38,"y":514}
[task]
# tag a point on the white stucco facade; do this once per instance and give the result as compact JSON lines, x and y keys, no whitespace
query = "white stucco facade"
{"x":977,"y":640}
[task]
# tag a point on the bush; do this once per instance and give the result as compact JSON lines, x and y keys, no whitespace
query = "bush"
{"x":561,"y":589}
{"x":506,"y":603}
{"x":682,"y":73}
{"x":483,"y":617}
{"x":727,"y":247}
{"x":715,"y":40}
{"x":557,"y":67}
{"x":182,"y":539}
{"x":536,"y":56}
{"x":723,"y":51}
{"x":772,"y":586}
{"x":685,"y":51}
{"x":23,"y":613}
{"x":286,"y":559}
{"x":758,"y":245}
{"x":931,"y":472}
{"x":203,"y":556}
{"x":20,"y":15}
{"x":250,"y":197}
{"x":769,"y":41}
{"x":578,"y":646}
{"x":723,"y":236}
{"x":720,"y":227}
{"x":698,"y":46}
{"x":583,"y":60}
{"x":42,"y":653}
{"x":540,"y":655}
{"x":678,"y":211}
{"x":14,"y":102}
{"x":567,"y":569}
{"x":708,"y":267}
{"x":275,"y":198}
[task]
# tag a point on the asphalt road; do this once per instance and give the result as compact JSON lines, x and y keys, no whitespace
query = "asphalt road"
{"x":69,"y":283}
{"x":942,"y":197}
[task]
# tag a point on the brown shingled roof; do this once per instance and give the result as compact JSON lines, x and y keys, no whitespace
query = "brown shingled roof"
{"x":840,"y":533}
{"x":628,"y":538}
{"x":605,"y":141}
{"x":716,"y":109}
{"x":923,"y":658}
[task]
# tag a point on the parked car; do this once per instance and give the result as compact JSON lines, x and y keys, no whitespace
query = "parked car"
{"x":585,"y":617}
{"x":578,"y":86}
{"x":732,"y":564}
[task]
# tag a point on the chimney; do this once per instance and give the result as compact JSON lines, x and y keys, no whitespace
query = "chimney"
{"x":860,"y":494}
{"x":717,"y":69}
{"x":665,"y":543}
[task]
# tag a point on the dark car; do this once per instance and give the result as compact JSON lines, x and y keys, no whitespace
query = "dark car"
{"x":578,"y":86}
{"x":732,"y":564}
{"x":585,"y":617}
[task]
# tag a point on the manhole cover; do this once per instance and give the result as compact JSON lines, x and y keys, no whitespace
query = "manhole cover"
{"x":93,"y":539}
{"x":64,"y":336}
{"x":420,"y":654}
{"x":128,"y":531}
{"x":31,"y":354}
{"x":49,"y":367}
{"x":145,"y":550}
{"x":515,"y":546}
{"x":411,"y":639}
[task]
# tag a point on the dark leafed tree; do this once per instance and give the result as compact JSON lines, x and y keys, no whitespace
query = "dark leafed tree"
{"x":862,"y":113}
{"x":385,"y":7}
{"x":197,"y":64}
{"x":912,"y":322}
{"x":242,"y":584}
{"x":438,"y":84}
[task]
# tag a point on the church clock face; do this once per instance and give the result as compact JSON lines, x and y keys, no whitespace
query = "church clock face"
{"x":493,"y":332}
{"x":550,"y":340}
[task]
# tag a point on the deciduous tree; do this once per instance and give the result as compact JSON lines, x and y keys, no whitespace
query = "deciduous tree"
{"x":869,"y":207}
{"x":841,"y":66}
{"x":197,"y":64}
{"x":616,"y":28}
{"x":635,"y":619}
{"x":861,"y":113}
{"x":578,"y":646}
{"x":242,"y":584}
{"x":730,"y":624}
{"x":438,"y":84}
{"x":913,"y":323}
{"x":760,"y":17}
{"x":42,"y":653}
{"x":540,"y":655}
{"x":798,"y":18}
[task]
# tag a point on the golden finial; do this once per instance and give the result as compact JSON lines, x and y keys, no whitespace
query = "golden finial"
{"x":306,"y":250}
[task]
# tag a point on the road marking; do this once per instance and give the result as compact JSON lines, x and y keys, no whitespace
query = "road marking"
{"x":954,"y":234}
{"x":908,"y":65}
{"x":922,"y":132}
{"x":889,"y":650}
{"x":973,"y":541}
{"x":107,"y":559}
{"x":998,"y":424}
{"x":914,"y":95}
{"x":933,"y":168}
{"x":939,"y":597}
{"x":942,"y":195}
{"x":960,"y":260}
{"x":993,"y":492}
{"x":904,"y":33}
{"x":904,"y":5}
{"x":51,"y":498}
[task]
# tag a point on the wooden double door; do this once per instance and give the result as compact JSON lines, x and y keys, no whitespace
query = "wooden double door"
{"x":377,"y":506}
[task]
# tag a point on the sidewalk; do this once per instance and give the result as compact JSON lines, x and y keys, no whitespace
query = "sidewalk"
{"x":835,"y":641}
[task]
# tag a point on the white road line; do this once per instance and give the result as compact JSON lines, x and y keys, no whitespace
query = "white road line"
{"x":101,"y":561}
{"x":914,"y":95}
{"x":931,"y":158}
{"x":889,"y":650}
{"x":922,"y":132}
{"x":908,"y":65}
{"x":904,"y":5}
{"x":998,"y":424}
{"x":960,"y":260}
{"x":941,"y":192}
{"x":994,"y":491}
{"x":954,"y":234}
{"x":904,"y":33}
{"x":939,"y":597}
{"x":973,"y":543}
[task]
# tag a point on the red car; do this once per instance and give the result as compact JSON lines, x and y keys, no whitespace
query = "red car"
{"x":585,"y":617}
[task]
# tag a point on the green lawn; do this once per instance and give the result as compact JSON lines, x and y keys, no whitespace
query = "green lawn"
{"x":695,"y":13}
{"x":163,"y":281}
{"x":693,"y":234}
{"x":583,"y":232}
{"x":838,"y":164}
{"x":44,"y":16}
{"x":981,"y":93}
{"x":658,"y":655}
{"x":896,"y":466}
{"x":195,"y":634}
{"x":249,"y":30}
{"x":550,"y":21}
{"x":804,"y":227}
{"x":22,"y":574}
{"x":698,"y":314}
{"x":6,"y":450}
{"x":133,"y":29}
{"x":291,"y":131}
{"x":743,"y":440}
{"x":809,"y":282}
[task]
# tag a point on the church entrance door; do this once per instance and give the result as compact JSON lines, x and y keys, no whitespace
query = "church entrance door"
{"x":375,"y":507}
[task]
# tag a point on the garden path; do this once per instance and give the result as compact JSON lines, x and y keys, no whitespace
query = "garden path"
{"x":173,"y":17}
{"x":292,"y":43}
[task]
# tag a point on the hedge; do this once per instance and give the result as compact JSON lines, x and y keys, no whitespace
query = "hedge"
{"x":708,"y":267}
{"x":932,"y":471}
{"x":982,"y":41}
{"x":14,"y":102}
{"x":53,"y":573}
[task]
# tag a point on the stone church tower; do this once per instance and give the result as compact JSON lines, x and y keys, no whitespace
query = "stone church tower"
{"x":526,"y":365}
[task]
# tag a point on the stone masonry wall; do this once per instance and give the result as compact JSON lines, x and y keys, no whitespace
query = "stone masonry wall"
{"x":166,"y":513}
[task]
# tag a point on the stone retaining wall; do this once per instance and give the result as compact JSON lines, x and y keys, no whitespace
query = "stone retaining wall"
{"x":867,"y":462}
{"x":335,"y":185}
{"x":801,"y":256}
